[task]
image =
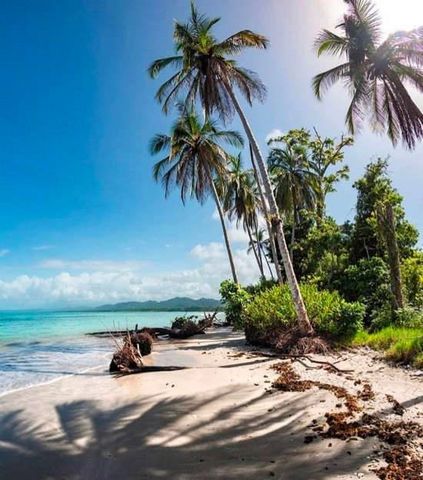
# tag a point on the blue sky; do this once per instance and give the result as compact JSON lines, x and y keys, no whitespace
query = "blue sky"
{"x":82,"y":221}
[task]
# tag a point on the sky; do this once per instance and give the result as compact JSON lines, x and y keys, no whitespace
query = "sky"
{"x":82,"y":221}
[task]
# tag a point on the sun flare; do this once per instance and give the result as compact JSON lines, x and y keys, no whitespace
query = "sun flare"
{"x":400,"y":14}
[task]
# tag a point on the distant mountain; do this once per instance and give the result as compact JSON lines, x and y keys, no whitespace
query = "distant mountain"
{"x":181,"y":304}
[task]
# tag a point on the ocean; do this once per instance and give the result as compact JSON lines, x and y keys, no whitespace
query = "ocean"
{"x":40,"y":347}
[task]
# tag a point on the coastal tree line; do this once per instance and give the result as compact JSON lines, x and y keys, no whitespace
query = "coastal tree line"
{"x":280,"y":200}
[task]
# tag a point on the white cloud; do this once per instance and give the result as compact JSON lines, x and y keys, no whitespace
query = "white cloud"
{"x":236,"y":233}
{"x":109,"y":281}
{"x":273,"y":133}
{"x":91,"y":265}
{"x":4,"y":252}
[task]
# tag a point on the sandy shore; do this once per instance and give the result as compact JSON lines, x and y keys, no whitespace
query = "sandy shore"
{"x":215,"y":420}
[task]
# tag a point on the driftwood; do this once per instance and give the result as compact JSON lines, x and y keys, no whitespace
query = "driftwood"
{"x":127,"y":356}
{"x":176,"y":333}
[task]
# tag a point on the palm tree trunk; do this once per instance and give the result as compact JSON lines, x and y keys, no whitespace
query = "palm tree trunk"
{"x":268,"y":265}
{"x":225,"y":233}
{"x":259,"y":263}
{"x":270,"y":231}
{"x":291,"y":246}
{"x":393,"y":257}
{"x":303,"y":321}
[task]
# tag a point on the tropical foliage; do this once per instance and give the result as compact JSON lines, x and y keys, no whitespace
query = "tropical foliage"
{"x":366,"y":273}
{"x":207,"y":72}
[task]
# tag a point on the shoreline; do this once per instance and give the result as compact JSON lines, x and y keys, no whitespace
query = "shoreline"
{"x":218,"y":418}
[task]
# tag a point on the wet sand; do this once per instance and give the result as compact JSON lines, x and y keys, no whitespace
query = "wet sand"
{"x":216,"y":420}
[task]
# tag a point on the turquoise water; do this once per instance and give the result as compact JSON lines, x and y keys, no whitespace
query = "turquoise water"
{"x":39,"y":347}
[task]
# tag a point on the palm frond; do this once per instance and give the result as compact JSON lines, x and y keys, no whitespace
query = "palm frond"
{"x":359,"y":103}
{"x":232,"y":137}
{"x":367,"y":17}
{"x":329,"y":42}
{"x":324,"y":80}
{"x":158,"y":143}
{"x":158,"y":65}
{"x":240,"y":40}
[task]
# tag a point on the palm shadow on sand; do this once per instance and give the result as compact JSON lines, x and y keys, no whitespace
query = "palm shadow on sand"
{"x":178,"y":438}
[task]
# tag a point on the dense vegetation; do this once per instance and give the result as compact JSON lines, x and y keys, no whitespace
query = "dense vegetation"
{"x":346,"y":276}
{"x":357,"y":282}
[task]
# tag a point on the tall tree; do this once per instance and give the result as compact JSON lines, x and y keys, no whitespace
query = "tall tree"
{"x":270,"y":229}
{"x":380,"y":228}
{"x":376,"y":72}
{"x":206,"y":71}
{"x":325,"y":154}
{"x":194,"y":157}
{"x":292,"y":180}
{"x":240,"y":200}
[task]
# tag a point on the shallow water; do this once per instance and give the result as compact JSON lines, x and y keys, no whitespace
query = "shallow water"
{"x":40,"y":347}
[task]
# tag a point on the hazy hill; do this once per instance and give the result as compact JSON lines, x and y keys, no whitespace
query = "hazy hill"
{"x":183,"y":304}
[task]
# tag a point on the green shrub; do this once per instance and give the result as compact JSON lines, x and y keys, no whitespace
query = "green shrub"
{"x":367,"y":282}
{"x":412,"y":276}
{"x":184,"y":321}
{"x":328,"y":312}
{"x":402,"y":345}
{"x":408,"y":317}
{"x":234,"y":298}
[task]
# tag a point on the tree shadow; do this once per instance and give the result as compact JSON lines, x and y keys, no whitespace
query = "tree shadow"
{"x":186,"y":438}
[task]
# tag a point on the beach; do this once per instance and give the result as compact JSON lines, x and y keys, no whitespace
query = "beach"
{"x":218,"y":418}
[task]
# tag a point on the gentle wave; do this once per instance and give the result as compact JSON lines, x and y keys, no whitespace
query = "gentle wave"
{"x":42,"y":347}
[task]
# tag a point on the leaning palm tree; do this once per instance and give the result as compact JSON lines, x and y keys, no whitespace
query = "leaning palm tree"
{"x":261,"y":244}
{"x":240,"y":200}
{"x":293,"y":183}
{"x":207,"y":72}
{"x":376,"y":72}
{"x":194,"y":157}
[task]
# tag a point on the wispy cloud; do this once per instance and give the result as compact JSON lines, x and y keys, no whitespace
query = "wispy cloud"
{"x":40,"y":248}
{"x":4,"y":252}
{"x":92,"y":265}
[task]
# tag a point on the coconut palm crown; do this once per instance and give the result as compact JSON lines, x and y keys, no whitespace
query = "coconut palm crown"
{"x":376,"y":72}
{"x":194,"y":155}
{"x":204,"y":66}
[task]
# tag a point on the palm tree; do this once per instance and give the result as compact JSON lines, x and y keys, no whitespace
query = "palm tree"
{"x":293,"y":182}
{"x":260,"y":243}
{"x":194,"y":156}
{"x":270,"y":229}
{"x":240,"y":200}
{"x":325,"y":155}
{"x":375,"y":72}
{"x":206,"y":71}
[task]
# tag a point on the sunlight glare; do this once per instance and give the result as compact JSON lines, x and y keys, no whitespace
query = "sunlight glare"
{"x":400,"y":14}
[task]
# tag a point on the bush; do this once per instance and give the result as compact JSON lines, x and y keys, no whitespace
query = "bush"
{"x":183,"y":322}
{"x":402,"y":345}
{"x":330,"y":314}
{"x":408,"y":317}
{"x":412,"y":275}
{"x":367,"y":282}
{"x":234,"y":298}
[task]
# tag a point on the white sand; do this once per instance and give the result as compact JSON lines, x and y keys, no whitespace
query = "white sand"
{"x":215,"y":420}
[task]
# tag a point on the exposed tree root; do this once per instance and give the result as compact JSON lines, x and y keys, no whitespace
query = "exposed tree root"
{"x":291,"y":356}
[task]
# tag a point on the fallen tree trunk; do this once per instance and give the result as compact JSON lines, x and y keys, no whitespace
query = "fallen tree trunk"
{"x":177,"y":333}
